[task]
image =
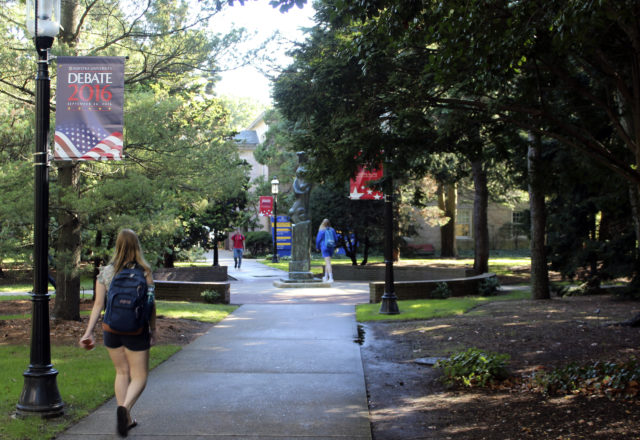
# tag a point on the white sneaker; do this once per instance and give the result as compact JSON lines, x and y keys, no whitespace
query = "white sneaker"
{"x":330,"y":279}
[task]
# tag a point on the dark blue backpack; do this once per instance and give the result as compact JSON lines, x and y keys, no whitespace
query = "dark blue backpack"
{"x":128,"y":307}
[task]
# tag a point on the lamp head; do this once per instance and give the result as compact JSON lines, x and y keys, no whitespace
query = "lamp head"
{"x":48,"y":16}
{"x":274,"y":185}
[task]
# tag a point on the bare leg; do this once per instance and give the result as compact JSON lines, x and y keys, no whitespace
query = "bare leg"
{"x":327,"y":270}
{"x":132,"y":370}
{"x":123,"y":378}
{"x":139,"y":371}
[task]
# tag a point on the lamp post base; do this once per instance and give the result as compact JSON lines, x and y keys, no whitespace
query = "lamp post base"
{"x":389,"y":305}
{"x":40,"y":395}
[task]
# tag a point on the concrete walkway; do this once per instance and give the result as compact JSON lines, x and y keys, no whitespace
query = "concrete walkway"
{"x":282,"y":366}
{"x":253,"y":284}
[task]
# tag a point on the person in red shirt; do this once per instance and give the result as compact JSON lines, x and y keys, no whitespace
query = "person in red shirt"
{"x":238,"y":248}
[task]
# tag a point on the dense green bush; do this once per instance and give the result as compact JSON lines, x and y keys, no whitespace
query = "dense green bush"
{"x":259,"y":243}
{"x":211,"y":296}
{"x":474,"y":367}
{"x":489,"y":286}
{"x":442,"y":291}
{"x":609,"y":378}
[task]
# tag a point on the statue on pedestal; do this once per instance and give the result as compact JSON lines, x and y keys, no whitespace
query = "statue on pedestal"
{"x":299,"y":212}
{"x":300,"y":265}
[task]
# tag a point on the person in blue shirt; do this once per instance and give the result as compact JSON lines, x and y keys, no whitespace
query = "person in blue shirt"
{"x":326,"y":241}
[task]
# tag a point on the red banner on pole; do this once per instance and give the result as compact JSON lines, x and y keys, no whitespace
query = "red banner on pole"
{"x":266,"y":205}
{"x":359,"y":187}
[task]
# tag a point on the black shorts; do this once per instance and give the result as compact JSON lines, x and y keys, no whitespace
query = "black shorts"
{"x":139,"y":342}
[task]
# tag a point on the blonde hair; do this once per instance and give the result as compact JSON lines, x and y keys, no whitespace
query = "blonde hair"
{"x":128,"y":251}
{"x":325,"y":224}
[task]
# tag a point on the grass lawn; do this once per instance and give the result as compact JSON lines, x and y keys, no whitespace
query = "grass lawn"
{"x":498,"y":265}
{"x":85,"y":378}
{"x":14,"y":297}
{"x":195,"y":311}
{"x":86,"y":284}
{"x":433,"y":308}
{"x":192,"y":264}
{"x":85,"y":381}
{"x":316,"y":263}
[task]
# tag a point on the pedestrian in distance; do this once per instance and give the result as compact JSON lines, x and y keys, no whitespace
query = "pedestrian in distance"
{"x":238,"y":248}
{"x":127,"y":343}
{"x":326,"y":243}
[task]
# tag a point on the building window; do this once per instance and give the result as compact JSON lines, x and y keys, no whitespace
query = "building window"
{"x":463,"y":223}
{"x":518,"y":223}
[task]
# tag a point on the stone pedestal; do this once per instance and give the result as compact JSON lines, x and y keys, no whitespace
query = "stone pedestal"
{"x":300,"y":266}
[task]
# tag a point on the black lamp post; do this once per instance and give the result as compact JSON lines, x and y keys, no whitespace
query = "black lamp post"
{"x":274,"y":191}
{"x":389,"y":305}
{"x":40,"y":395}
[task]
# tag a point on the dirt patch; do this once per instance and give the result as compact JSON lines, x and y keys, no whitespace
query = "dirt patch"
{"x":18,"y":331}
{"x":408,"y":402}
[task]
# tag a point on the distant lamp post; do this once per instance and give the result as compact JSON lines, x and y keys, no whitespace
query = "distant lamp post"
{"x":275,"y":183}
{"x":40,"y":395}
{"x":389,"y":305}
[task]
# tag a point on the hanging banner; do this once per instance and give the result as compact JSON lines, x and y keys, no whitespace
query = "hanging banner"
{"x":266,"y":206}
{"x":89,"y":108}
{"x":358,"y":187}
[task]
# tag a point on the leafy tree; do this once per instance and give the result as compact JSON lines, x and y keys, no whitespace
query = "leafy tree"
{"x":594,"y":240}
{"x":168,"y":171}
{"x":218,"y":220}
{"x":341,"y":110}
{"x":278,"y":153}
{"x":534,"y":66}
{"x":242,"y":111}
{"x":278,"y":149}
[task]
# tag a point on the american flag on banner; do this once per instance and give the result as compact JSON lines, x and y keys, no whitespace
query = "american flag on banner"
{"x":76,"y":141}
{"x":89,"y":108}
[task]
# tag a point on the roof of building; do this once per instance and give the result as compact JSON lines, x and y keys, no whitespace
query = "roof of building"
{"x":247,"y":137}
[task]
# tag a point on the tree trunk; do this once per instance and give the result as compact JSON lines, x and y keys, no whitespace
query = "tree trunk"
{"x":365,"y":252}
{"x":447,"y":201}
{"x":634,"y":200}
{"x":68,"y":248}
{"x":539,"y":269}
{"x":480,"y":225}
{"x":351,"y":247}
{"x":70,"y":16}
{"x":168,"y":259}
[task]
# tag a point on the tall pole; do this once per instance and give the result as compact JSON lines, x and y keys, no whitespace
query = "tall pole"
{"x":215,"y":248}
{"x":275,"y":229}
{"x":40,"y":395}
{"x":389,"y":305}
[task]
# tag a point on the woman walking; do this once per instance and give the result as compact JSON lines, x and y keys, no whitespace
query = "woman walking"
{"x":129,"y":353}
{"x":326,"y":243}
